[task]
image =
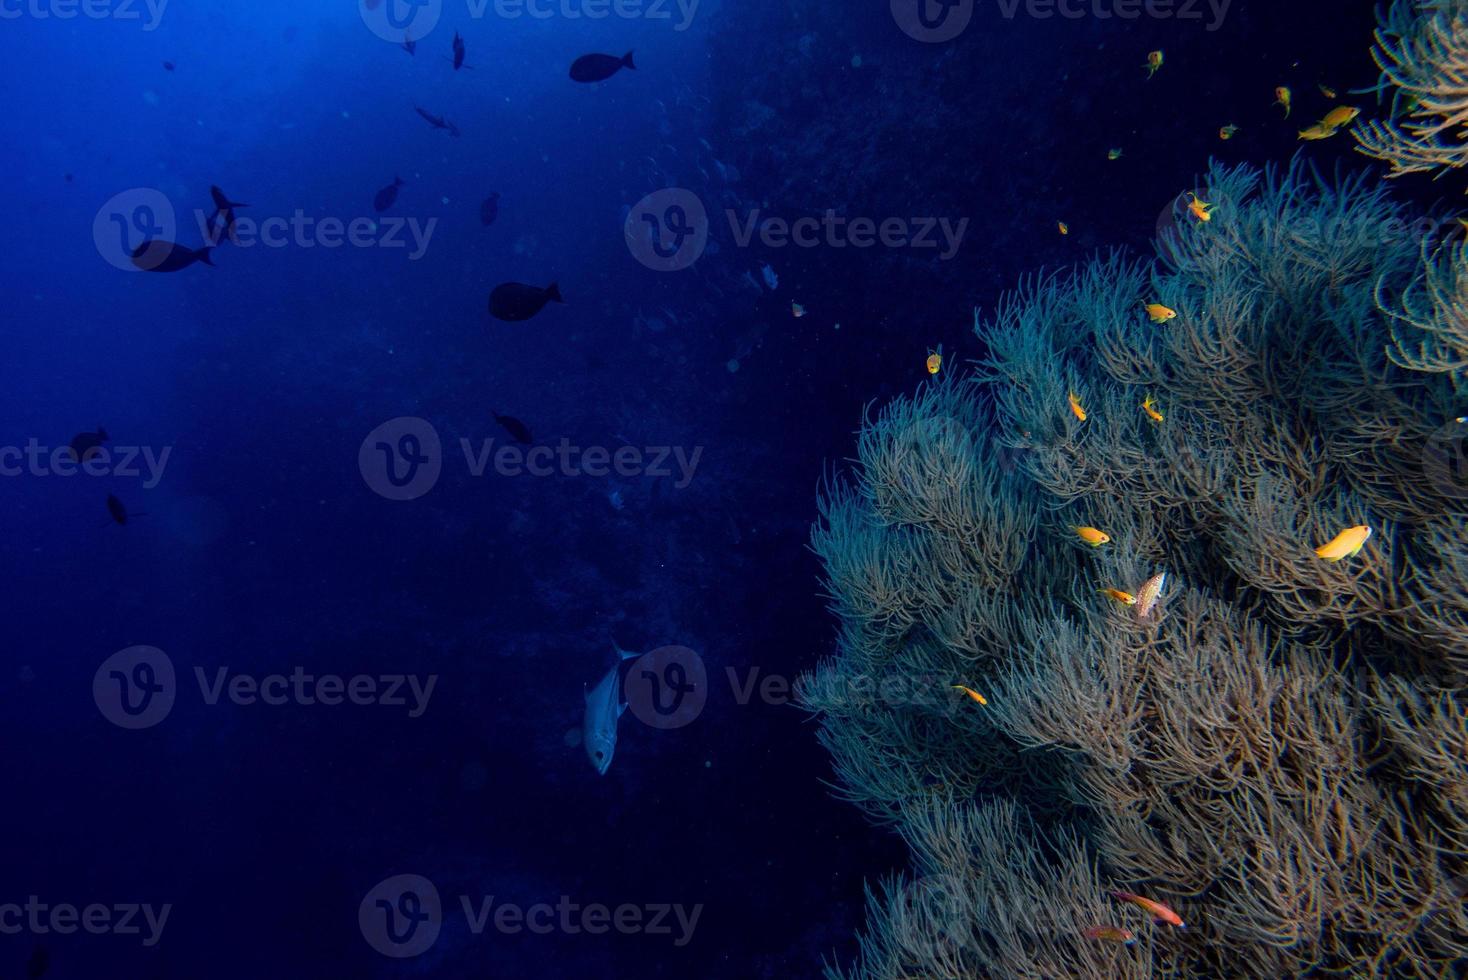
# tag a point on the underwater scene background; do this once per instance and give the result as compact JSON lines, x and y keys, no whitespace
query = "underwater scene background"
{"x":686,"y":488}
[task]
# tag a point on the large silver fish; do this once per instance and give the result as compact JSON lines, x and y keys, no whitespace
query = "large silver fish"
{"x":604,"y":706}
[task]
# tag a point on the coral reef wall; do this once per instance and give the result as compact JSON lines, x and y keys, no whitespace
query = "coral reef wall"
{"x":1277,"y":748}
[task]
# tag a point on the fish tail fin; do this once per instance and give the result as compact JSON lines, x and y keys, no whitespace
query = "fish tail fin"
{"x":624,"y":654}
{"x":627,"y":60}
{"x":203,"y":255}
{"x":553,"y":291}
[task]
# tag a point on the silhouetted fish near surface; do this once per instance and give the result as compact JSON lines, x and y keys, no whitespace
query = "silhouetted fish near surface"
{"x":38,"y":964}
{"x":490,"y":209}
{"x":168,"y":66}
{"x":437,"y":122}
{"x":118,"y":511}
{"x":223,"y":209}
{"x":84,"y":444}
{"x":515,"y":427}
{"x":458,"y":51}
{"x":599,"y":67}
{"x":409,"y":45}
{"x":387,"y":195}
{"x":161,"y":256}
{"x":516,"y":301}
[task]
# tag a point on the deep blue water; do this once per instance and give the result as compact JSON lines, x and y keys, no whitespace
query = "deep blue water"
{"x":264,"y":546}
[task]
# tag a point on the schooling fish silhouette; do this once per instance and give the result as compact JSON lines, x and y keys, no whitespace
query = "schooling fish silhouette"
{"x":84,"y":444}
{"x":385,"y":197}
{"x":604,"y":707}
{"x":119,"y":512}
{"x":223,"y":208}
{"x":515,"y":427}
{"x":459,"y":52}
{"x":599,"y":67}
{"x":163,"y":256}
{"x":490,"y":209}
{"x":437,"y":122}
{"x":515,"y":301}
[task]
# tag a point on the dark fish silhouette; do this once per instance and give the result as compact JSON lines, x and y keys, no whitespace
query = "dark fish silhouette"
{"x":38,"y":964}
{"x":68,"y":178}
{"x":409,"y":45}
{"x":168,"y":66}
{"x":161,"y":256}
{"x":515,"y":427}
{"x":490,"y":209}
{"x":458,"y":51}
{"x":223,"y":209}
{"x":387,"y":195}
{"x":83,"y":444}
{"x":515,"y":301}
{"x":437,"y":122}
{"x":599,"y":67}
{"x":118,"y":511}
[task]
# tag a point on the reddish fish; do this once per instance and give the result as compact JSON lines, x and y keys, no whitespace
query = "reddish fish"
{"x":1160,"y":913}
{"x":1115,"y":934}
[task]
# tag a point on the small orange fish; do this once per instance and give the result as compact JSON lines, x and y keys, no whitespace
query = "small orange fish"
{"x":1159,"y":313}
{"x":1114,"y":934}
{"x":1125,"y":598}
{"x":1341,"y":115}
{"x":1200,"y":208}
{"x":935,"y":360}
{"x":1154,"y":62}
{"x":796,"y":310}
{"x":1325,"y":90}
{"x":1283,"y":97}
{"x":1064,"y":228}
{"x":971,"y":693}
{"x":1346,"y":544}
{"x":1075,"y":406}
{"x":1227,"y":132}
{"x":1149,"y":594}
{"x":1160,"y":913}
{"x":1095,"y":537}
{"x":1149,"y":405}
{"x":1319,"y":131}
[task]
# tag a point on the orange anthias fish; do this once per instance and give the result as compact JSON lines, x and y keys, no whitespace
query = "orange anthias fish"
{"x":1115,"y":934}
{"x":1160,"y":913}
{"x":1125,"y":598}
{"x":971,"y":693}
{"x":1149,"y":405}
{"x":1159,"y":313}
{"x":1095,"y":537}
{"x":1282,"y":97}
{"x":935,"y":360}
{"x":1075,"y":406}
{"x":1325,"y":90}
{"x":1319,"y":131}
{"x":1200,"y":208}
{"x":1346,"y":544}
{"x":1227,"y":132}
{"x":1154,"y":62}
{"x":1149,"y":594}
{"x":1340,"y":116}
{"x":1064,"y":228}
{"x":796,"y":310}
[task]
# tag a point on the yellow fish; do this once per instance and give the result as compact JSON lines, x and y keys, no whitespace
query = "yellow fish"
{"x":1200,"y":208}
{"x":1319,"y":131}
{"x":1340,"y":116}
{"x":1282,"y":97}
{"x":935,"y":360}
{"x":1227,"y":132}
{"x":1159,"y":313}
{"x":1095,"y":537}
{"x":1325,"y":90}
{"x":1125,"y":598}
{"x":1154,"y":62}
{"x":971,"y":693}
{"x":1114,"y":153}
{"x":1064,"y":228}
{"x":1149,"y":405}
{"x":1147,"y":596}
{"x":1346,"y":544}
{"x":1075,"y":407}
